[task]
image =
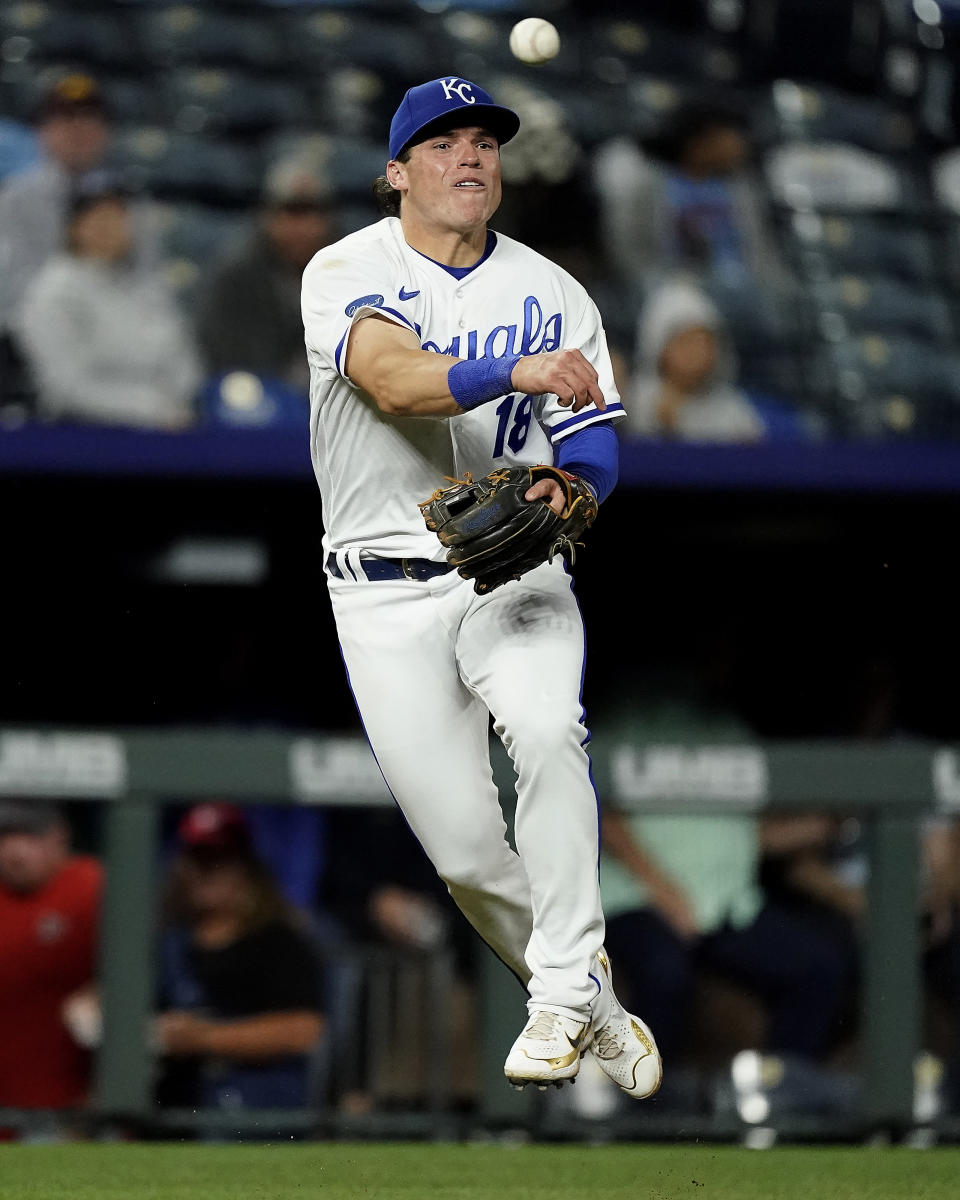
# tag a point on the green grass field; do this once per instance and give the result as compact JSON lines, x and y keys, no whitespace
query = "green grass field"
{"x":440,"y":1171}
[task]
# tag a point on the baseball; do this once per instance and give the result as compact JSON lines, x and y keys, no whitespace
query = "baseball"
{"x":534,"y":40}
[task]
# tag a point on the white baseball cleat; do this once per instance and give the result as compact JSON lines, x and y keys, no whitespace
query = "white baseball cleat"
{"x":548,"y":1050}
{"x":624,"y":1048}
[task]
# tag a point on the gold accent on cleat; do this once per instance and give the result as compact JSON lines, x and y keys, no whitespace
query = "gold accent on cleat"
{"x":564,"y":1060}
{"x":641,"y":1037}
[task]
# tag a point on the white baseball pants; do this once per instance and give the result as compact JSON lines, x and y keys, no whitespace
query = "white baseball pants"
{"x":428,"y":662}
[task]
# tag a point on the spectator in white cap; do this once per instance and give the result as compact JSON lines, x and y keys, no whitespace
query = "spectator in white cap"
{"x":685,"y":382}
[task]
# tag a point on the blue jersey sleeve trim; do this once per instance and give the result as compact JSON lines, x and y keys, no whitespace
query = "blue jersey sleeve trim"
{"x":593,"y":453}
{"x":400,"y":317}
{"x":339,"y":350}
{"x":591,"y":415}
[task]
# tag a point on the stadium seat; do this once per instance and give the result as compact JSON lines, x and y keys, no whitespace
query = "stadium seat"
{"x":137,"y":99}
{"x":322,"y":39}
{"x":243,"y":400}
{"x":836,"y":176}
{"x":883,"y":386}
{"x":862,"y":242}
{"x":647,"y":100}
{"x":199,"y":232}
{"x":945,"y":180}
{"x":769,"y":332}
{"x":827,"y":41}
{"x":227,"y":100}
{"x":41,"y":32}
{"x":616,"y":49}
{"x":816,"y":112}
{"x":352,"y":100}
{"x":179,"y":166}
{"x":885,"y":305}
{"x":192,"y":236}
{"x":202,"y":35}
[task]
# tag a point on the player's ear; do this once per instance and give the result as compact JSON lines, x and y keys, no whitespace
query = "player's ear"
{"x":397,"y":175}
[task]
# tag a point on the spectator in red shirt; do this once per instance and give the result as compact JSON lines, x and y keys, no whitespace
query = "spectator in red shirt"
{"x":49,"y":908}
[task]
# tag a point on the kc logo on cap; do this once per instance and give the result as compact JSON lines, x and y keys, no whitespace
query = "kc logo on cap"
{"x":460,"y":88}
{"x":432,"y":107}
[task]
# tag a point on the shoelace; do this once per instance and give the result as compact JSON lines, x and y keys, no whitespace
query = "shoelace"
{"x":605,"y":1045}
{"x":542,"y":1029}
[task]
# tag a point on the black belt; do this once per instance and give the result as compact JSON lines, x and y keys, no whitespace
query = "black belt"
{"x":376,"y":569}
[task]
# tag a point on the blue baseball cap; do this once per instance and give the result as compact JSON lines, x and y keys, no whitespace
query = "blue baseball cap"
{"x":427,"y":109}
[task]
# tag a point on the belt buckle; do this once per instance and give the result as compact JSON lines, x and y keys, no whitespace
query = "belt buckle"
{"x":405,"y":566}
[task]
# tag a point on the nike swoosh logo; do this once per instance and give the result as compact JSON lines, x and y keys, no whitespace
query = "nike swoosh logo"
{"x":408,"y":295}
{"x":564,"y":1060}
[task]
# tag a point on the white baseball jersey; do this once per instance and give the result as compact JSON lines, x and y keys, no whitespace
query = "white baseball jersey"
{"x":374,"y":469}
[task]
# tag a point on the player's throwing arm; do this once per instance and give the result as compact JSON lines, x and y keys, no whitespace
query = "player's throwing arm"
{"x":387,"y":362}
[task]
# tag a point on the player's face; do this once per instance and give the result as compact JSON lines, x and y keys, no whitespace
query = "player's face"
{"x":452,"y":180}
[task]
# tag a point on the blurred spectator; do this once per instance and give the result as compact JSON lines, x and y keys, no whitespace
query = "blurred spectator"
{"x":248,"y":314}
{"x":290,"y":840}
{"x":379,"y":884}
{"x":49,"y":913}
{"x":381,"y":888}
{"x":104,"y":341}
{"x":74,"y":128}
{"x":682,"y":896}
{"x":686,"y":199}
{"x":825,"y":877}
{"x":19,"y":147}
{"x":685,"y":381}
{"x":683,"y":893}
{"x":241,"y":991}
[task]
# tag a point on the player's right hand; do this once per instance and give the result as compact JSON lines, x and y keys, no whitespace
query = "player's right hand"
{"x":565,"y":373}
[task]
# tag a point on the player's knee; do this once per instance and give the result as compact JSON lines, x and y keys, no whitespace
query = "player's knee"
{"x":536,"y":735}
{"x":462,"y":877}
{"x":474,"y":868}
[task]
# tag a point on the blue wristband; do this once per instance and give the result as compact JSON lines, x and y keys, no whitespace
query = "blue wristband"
{"x":477,"y":380}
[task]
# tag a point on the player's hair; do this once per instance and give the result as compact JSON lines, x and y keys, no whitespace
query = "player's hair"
{"x":385,"y":194}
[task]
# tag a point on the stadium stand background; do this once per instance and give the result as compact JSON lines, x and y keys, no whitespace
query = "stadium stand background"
{"x":854,"y":108}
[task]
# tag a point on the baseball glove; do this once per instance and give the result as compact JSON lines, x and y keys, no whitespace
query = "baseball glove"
{"x":495,"y":535}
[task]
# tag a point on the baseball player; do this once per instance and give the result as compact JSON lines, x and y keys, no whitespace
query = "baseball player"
{"x":438,"y":347}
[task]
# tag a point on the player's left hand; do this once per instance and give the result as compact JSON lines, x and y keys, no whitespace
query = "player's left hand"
{"x":549,"y":490}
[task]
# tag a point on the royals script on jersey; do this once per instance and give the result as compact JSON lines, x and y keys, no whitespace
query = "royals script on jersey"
{"x":373,"y":469}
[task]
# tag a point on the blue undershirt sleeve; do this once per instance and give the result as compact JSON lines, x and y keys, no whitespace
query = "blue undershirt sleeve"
{"x":594,"y":454}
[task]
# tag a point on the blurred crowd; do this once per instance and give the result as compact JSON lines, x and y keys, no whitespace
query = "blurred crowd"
{"x":93,"y":331}
{"x":308,"y":959}
{"x":770,"y":233}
